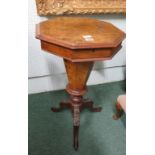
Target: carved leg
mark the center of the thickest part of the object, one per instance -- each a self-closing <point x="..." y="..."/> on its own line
<point x="89" y="104"/>
<point x="62" y="106"/>
<point x="77" y="73"/>
<point x="76" y="124"/>
<point x="119" y="112"/>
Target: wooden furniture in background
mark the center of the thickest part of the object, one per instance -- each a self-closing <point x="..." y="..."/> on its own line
<point x="80" y="42"/>
<point x="55" y="7"/>
<point x="120" y="107"/>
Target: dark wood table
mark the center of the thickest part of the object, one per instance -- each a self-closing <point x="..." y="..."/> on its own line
<point x="80" y="42"/>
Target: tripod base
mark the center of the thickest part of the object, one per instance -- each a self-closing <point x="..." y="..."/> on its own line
<point x="76" y="105"/>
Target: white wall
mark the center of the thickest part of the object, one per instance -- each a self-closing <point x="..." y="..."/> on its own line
<point x="47" y="72"/>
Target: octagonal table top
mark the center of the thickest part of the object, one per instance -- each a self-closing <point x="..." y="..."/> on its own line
<point x="79" y="33"/>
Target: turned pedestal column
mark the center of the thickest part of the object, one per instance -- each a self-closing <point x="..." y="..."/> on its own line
<point x="80" y="42"/>
<point x="78" y="73"/>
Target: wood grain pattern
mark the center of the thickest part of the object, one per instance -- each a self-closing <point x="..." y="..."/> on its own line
<point x="57" y="7"/>
<point x="64" y="37"/>
<point x="70" y="32"/>
<point x="78" y="74"/>
<point x="80" y="55"/>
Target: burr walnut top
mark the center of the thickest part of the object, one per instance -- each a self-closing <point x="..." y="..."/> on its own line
<point x="79" y="33"/>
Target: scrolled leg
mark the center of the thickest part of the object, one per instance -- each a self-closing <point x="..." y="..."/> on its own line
<point x="119" y="112"/>
<point x="89" y="104"/>
<point x="63" y="105"/>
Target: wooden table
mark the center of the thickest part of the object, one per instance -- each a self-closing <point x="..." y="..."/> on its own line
<point x="80" y="42"/>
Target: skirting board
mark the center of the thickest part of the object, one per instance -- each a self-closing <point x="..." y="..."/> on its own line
<point x="59" y="81"/>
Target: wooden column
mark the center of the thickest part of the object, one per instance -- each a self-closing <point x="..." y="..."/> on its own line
<point x="77" y="73"/>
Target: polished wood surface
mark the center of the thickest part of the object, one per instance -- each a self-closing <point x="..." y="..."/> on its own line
<point x="80" y="42"/>
<point x="78" y="74"/>
<point x="80" y="55"/>
<point x="77" y="33"/>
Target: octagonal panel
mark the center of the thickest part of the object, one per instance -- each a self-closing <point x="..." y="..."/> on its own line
<point x="79" y="33"/>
